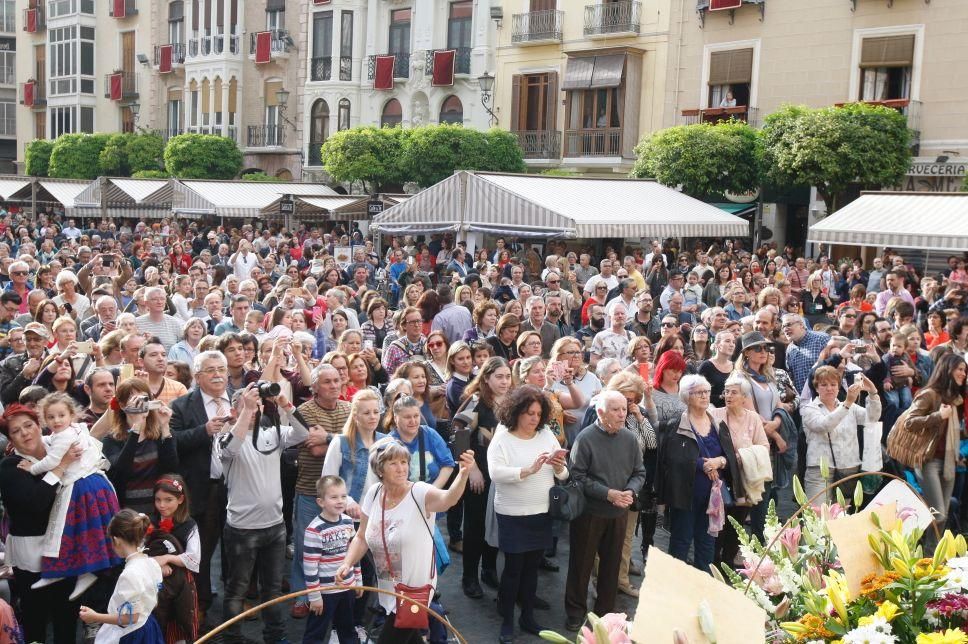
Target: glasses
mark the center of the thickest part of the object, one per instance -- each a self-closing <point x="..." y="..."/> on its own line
<point x="669" y="325"/>
<point x="702" y="393"/>
<point x="413" y="321"/>
<point x="701" y="330"/>
<point x="554" y="281"/>
<point x="18" y="273"/>
<point x="759" y="348"/>
<point x="569" y="353"/>
<point x="434" y="345"/>
<point x="211" y="371"/>
<point x="849" y="315"/>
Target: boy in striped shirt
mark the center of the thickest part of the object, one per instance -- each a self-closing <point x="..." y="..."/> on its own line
<point x="327" y="539"/>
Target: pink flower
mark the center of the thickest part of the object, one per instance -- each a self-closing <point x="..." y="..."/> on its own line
<point x="834" y="511"/>
<point x="616" y="625"/>
<point x="772" y="585"/>
<point x="790" y="538"/>
<point x="766" y="569"/>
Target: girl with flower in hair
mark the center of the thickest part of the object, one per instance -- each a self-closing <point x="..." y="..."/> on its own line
<point x="173" y="541"/>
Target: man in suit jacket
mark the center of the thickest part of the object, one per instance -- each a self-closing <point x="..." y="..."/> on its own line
<point x="535" y="312"/>
<point x="196" y="418"/>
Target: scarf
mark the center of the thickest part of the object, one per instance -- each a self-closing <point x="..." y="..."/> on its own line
<point x="755" y="376"/>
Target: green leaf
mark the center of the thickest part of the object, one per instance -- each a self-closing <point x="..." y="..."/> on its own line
<point x="37" y="157"/>
<point x="202" y="156"/>
<point x="551" y="636"/>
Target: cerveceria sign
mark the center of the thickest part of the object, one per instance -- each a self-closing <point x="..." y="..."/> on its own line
<point x="934" y="176"/>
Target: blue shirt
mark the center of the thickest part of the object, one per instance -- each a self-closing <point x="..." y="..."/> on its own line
<point x="436" y="454"/>
<point x="801" y="356"/>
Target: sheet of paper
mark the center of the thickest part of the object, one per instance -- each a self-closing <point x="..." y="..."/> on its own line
<point x="669" y="600"/>
<point x="849" y="534"/>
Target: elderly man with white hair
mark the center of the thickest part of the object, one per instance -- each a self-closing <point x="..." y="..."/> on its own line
<point x="105" y="320"/>
<point x="67" y="294"/>
<point x="535" y="312"/>
<point x="607" y="464"/>
<point x="156" y="322"/>
<point x="19" y="283"/>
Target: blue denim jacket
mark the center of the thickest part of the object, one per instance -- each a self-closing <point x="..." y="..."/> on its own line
<point x="353" y="471"/>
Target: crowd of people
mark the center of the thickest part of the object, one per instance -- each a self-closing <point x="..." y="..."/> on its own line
<point x="176" y="390"/>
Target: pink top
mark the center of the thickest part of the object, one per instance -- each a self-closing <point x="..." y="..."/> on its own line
<point x="746" y="433"/>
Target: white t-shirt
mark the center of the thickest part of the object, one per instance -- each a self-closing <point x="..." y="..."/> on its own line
<point x="404" y="534"/>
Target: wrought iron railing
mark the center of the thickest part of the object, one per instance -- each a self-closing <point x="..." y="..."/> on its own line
<point x="265" y="136"/>
<point x="462" y="59"/>
<point x="612" y="18"/>
<point x="129" y="84"/>
<point x="401" y="65"/>
<point x="279" y="41"/>
<point x="321" y="68"/>
<point x="177" y="53"/>
<point x="34" y="20"/>
<point x="539" y="144"/>
<point x="717" y="114"/>
<point x="130" y="8"/>
<point x="536" y="25"/>
<point x="603" y="142"/>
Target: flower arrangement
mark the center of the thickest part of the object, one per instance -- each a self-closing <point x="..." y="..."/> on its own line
<point x="612" y="628"/>
<point x="915" y="599"/>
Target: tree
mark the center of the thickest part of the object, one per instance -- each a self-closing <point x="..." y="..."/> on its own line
<point x="146" y="152"/>
<point x="150" y="174"/>
<point x="832" y="148"/>
<point x="503" y="153"/>
<point x="367" y="154"/>
<point x="37" y="157"/>
<point x="704" y="159"/>
<point x="261" y="177"/>
<point x="76" y="156"/>
<point x="202" y="156"/>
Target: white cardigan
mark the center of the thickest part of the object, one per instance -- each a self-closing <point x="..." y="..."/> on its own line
<point x="507" y="455"/>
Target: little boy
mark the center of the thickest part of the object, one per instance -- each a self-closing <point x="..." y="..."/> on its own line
<point x="897" y="389"/>
<point x="326" y="541"/>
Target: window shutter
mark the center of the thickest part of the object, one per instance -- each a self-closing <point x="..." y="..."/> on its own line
<point x="233" y="92"/>
<point x="888" y="51"/>
<point x="731" y="67"/>
<point x="275" y="5"/>
<point x="516" y="97"/>
<point x="271" y="87"/>
<point x="551" y="109"/>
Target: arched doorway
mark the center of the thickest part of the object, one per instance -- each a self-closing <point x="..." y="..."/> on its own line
<point x="452" y="111"/>
<point x="318" y="130"/>
<point x="392" y="114"/>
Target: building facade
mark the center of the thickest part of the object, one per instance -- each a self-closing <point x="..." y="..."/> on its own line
<point x="581" y="82"/>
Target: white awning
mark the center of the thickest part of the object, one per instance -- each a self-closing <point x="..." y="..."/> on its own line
<point x="331" y="206"/>
<point x="547" y="206"/>
<point x="921" y="220"/>
<point x="157" y="191"/>
<point x="10" y="185"/>
<point x="64" y="191"/>
<point x="126" y="199"/>
<point x="237" y="198"/>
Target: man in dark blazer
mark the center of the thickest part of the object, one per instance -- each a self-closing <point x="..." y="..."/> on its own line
<point x="196" y="418"/>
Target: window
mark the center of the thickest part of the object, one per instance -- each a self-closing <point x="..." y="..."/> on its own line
<point x="730" y="71"/>
<point x="193" y="97"/>
<point x="127" y="119"/>
<point x="40" y="125"/>
<point x="63" y="120"/>
<point x="176" y="22"/>
<point x="9" y="17"/>
<point x="87" y="59"/>
<point x="275" y="19"/>
<point x="87" y="120"/>
<point x="534" y="102"/>
<point x="885" y="68"/>
<point x="543" y="5"/>
<point x="318" y="130"/>
<point x="174" y="116"/>
<point x="8" y="67"/>
<point x="399" y="31"/>
<point x="8" y="118"/>
<point x="63" y="66"/>
<point x="322" y="67"/>
<point x="273" y="120"/>
<point x="346" y="46"/>
<point x="392" y="114"/>
<point x="459" y="24"/>
<point x="452" y="111"/>
<point x="343" y="120"/>
<point x="594" y="109"/>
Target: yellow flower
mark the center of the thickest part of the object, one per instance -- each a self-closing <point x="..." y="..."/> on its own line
<point x="872" y="583"/>
<point x="950" y="636"/>
<point x="838" y="593"/>
<point x="888" y="610"/>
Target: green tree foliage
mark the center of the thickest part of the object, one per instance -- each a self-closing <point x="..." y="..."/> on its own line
<point x="834" y="147"/>
<point x="150" y="174"/>
<point x="202" y="156"/>
<point x="704" y="159"/>
<point x="424" y="155"/>
<point x="76" y="156"/>
<point x="261" y="177"/>
<point x="37" y="157"/>
<point x="146" y="151"/>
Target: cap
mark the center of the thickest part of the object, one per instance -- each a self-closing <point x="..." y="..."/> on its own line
<point x="39" y="329"/>
<point x="753" y="339"/>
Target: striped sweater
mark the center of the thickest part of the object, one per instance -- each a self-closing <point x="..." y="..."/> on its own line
<point x="324" y="546"/>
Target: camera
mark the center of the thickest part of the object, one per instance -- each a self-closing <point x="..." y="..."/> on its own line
<point x="268" y="389"/>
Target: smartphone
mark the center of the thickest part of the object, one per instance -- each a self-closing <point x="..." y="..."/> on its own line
<point x="127" y="372"/>
<point x="644" y="369"/>
<point x="317" y="311"/>
<point x="559" y="368"/>
<point x="154" y="404"/>
<point x="858" y="378"/>
<point x="85" y="347"/>
<point x="368" y="345"/>
<point x="559" y="453"/>
<point x="460" y="442"/>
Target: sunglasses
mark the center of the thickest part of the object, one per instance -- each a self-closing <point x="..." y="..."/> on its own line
<point x="434" y="345"/>
<point x="18" y="272"/>
<point x="669" y="325"/>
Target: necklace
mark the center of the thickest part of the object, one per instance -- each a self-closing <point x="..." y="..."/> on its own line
<point x="391" y="503"/>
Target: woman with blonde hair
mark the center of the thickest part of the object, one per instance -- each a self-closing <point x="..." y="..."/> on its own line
<point x="528" y="344"/>
<point x="540" y="373"/>
<point x="110" y="344"/>
<point x="139" y="446"/>
<point x="583" y="381"/>
<point x="348" y="454"/>
<point x="769" y="296"/>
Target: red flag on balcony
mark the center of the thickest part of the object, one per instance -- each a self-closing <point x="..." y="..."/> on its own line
<point x="119" y="8"/>
<point x="720" y="5"/>
<point x="383" y="75"/>
<point x="164" y="62"/>
<point x="31" y="26"/>
<point x="29" y="94"/>
<point x="443" y="75"/>
<point x="116" y="84"/>
<point x="263" y="47"/>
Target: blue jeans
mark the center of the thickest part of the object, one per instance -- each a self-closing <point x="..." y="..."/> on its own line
<point x="899" y="397"/>
<point x="260" y="552"/>
<point x="688" y="527"/>
<point x="338" y="612"/>
<point x="304" y="508"/>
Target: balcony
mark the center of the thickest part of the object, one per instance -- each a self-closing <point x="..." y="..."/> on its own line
<point x="909" y="108"/>
<point x="603" y="142"/>
<point x="321" y="68"/>
<point x="177" y="53"/>
<point x="123" y="89"/>
<point x="537" y="26"/>
<point x="8" y="75"/>
<point x="8" y="127"/>
<point x="462" y="59"/>
<point x="36" y="96"/>
<point x="218" y="43"/>
<point x="539" y="144"/>
<point x="743" y="113"/>
<point x="401" y="65"/>
<point x="122" y="8"/>
<point x="315" y="153"/>
<point x="279" y="42"/>
<point x="265" y="136"/>
<point x="730" y="6"/>
<point x="34" y="20"/>
<point x="612" y="18"/>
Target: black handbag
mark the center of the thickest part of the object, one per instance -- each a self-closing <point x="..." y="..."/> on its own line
<point x="566" y="502"/>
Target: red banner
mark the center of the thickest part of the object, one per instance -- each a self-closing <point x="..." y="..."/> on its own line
<point x="31" y="21"/>
<point x="29" y="94"/>
<point x="263" y="47"/>
<point x="383" y="76"/>
<point x="443" y="75"/>
<point x="720" y="5"/>
<point x="119" y="8"/>
<point x="164" y="62"/>
<point x="116" y="86"/>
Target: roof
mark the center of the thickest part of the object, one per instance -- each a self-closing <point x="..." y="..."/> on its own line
<point x="922" y="220"/>
<point x="237" y="198"/>
<point x="547" y="206"/>
<point x="342" y="207"/>
<point x="138" y="198"/>
<point x="10" y="185"/>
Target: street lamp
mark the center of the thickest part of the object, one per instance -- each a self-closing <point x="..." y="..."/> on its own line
<point x="486" y="81"/>
<point x="282" y="99"/>
<point x="135" y="109"/>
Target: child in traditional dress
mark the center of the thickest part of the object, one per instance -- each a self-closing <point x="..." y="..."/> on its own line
<point x="76" y="543"/>
<point x="129" y="619"/>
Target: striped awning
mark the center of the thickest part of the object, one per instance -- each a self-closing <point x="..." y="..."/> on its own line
<point x="238" y="199"/>
<point x="922" y="220"/>
<point x="342" y="207"/>
<point x="545" y="206"/>
<point x="10" y="185"/>
<point x="63" y="191"/>
<point x="126" y="199"/>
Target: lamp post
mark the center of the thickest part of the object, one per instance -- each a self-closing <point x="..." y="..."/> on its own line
<point x="135" y="109"/>
<point x="486" y="82"/>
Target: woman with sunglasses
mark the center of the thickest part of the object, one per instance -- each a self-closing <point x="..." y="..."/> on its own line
<point x="717" y="369"/>
<point x="437" y="347"/>
<point x="700" y="347"/>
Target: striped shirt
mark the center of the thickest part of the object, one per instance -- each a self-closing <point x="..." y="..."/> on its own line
<point x="168" y="330"/>
<point x="332" y="421"/>
<point x="324" y="547"/>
